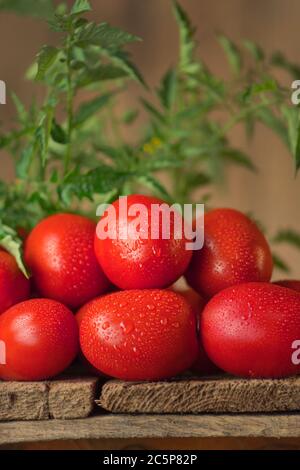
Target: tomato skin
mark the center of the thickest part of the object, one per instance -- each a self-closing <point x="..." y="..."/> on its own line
<point x="248" y="330"/>
<point x="92" y="370"/>
<point x="41" y="340"/>
<point x="289" y="283"/>
<point x="196" y="301"/>
<point x="234" y="252"/>
<point x="14" y="287"/>
<point x="139" y="334"/>
<point x="59" y="251"/>
<point x="203" y="365"/>
<point x="141" y="264"/>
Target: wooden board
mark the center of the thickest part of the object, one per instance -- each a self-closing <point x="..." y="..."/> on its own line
<point x="206" y="395"/>
<point x="59" y="399"/>
<point x="111" y="426"/>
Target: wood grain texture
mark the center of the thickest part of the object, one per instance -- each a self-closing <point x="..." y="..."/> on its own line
<point x="152" y="426"/>
<point x="70" y="399"/>
<point x="19" y="401"/>
<point x="60" y="399"/>
<point x="205" y="395"/>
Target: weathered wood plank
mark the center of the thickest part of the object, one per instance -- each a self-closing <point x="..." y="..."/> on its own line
<point x="19" y="401"/>
<point x="152" y="426"/>
<point x="60" y="399"/>
<point x="206" y="395"/>
<point x="70" y="399"/>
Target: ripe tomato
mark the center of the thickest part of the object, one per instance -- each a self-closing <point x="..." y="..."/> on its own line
<point x="59" y="251"/>
<point x="193" y="298"/>
<point x="251" y="330"/>
<point x="139" y="334"/>
<point x="89" y="368"/>
<point x="143" y="262"/>
<point x="234" y="252"/>
<point x="14" y="287"/>
<point x="290" y="283"/>
<point x="203" y="364"/>
<point x="40" y="338"/>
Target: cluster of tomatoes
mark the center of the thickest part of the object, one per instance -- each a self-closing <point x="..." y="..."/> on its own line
<point x="129" y="322"/>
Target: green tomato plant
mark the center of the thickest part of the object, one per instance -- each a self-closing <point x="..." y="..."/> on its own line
<point x="70" y="153"/>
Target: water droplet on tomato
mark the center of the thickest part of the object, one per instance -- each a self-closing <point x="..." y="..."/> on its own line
<point x="105" y="325"/>
<point x="150" y="307"/>
<point x="164" y="321"/>
<point x="127" y="326"/>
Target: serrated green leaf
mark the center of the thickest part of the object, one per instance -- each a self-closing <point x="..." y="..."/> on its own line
<point x="239" y="157"/>
<point x="122" y="60"/>
<point x="89" y="76"/>
<point x="292" y="116"/>
<point x="167" y="90"/>
<point x="130" y="116"/>
<point x="40" y="136"/>
<point x="10" y="241"/>
<point x="153" y="110"/>
<point x="289" y="236"/>
<point x="187" y="31"/>
<point x="59" y="23"/>
<point x="45" y="59"/>
<point x="21" y="110"/>
<point x="268" y="85"/>
<point x="100" y="180"/>
<point x="255" y="50"/>
<point x="155" y="185"/>
<point x="279" y="60"/>
<point x="81" y="6"/>
<point x="103" y="35"/>
<point x="38" y="8"/>
<point x="23" y="164"/>
<point x="112" y="152"/>
<point x="88" y="109"/>
<point x="232" y="53"/>
<point x="280" y="264"/>
<point x="58" y="134"/>
<point x="197" y="179"/>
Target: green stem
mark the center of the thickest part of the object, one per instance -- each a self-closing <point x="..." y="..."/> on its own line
<point x="70" y="99"/>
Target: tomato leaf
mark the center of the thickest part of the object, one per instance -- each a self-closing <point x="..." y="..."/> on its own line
<point x="45" y="59"/>
<point x="80" y="6"/>
<point x="10" y="241"/>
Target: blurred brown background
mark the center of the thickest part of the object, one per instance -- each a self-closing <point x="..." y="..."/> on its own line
<point x="273" y="195"/>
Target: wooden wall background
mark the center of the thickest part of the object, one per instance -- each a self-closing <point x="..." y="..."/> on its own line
<point x="273" y="196"/>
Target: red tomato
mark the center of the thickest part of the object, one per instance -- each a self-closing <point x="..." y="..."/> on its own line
<point x="81" y="357"/>
<point x="60" y="254"/>
<point x="194" y="299"/>
<point x="203" y="365"/>
<point x="234" y="252"/>
<point x="14" y="287"/>
<point x="252" y="329"/>
<point x="290" y="283"/>
<point x="139" y="334"/>
<point x="40" y="338"/>
<point x="143" y="262"/>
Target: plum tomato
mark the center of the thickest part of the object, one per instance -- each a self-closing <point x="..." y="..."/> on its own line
<point x="14" y="287"/>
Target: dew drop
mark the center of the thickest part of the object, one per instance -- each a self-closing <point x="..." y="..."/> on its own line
<point x="105" y="325"/>
<point x="150" y="307"/>
<point x="127" y="326"/>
